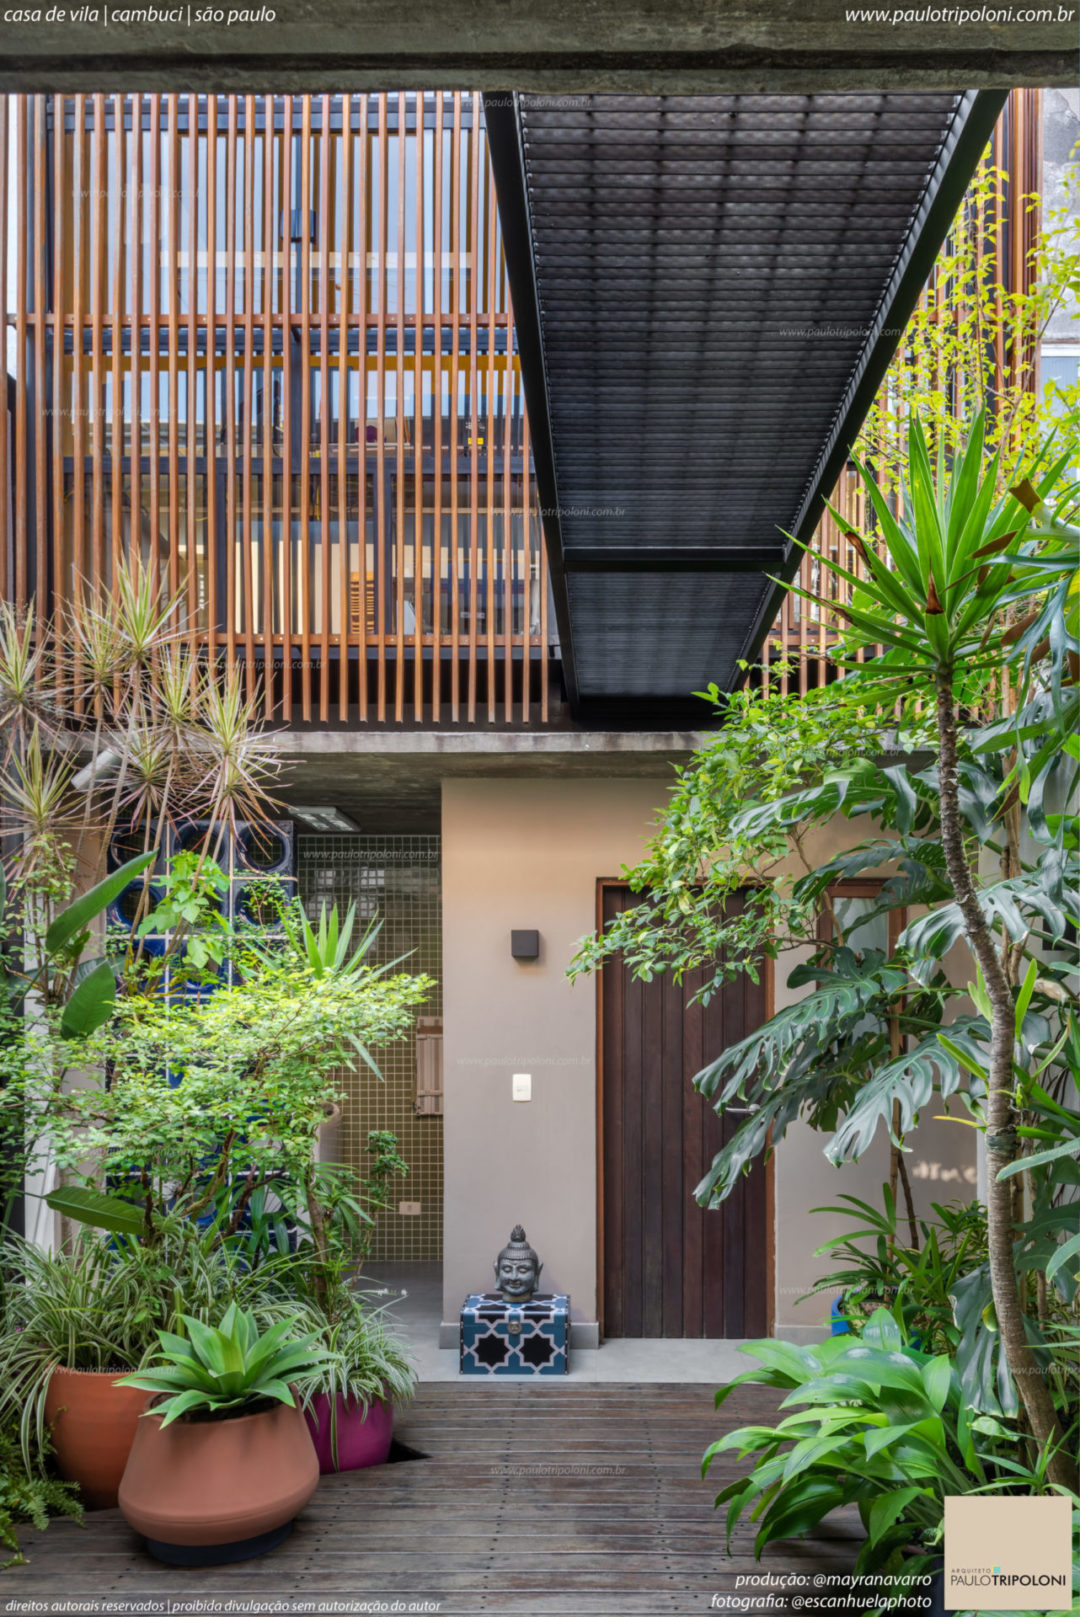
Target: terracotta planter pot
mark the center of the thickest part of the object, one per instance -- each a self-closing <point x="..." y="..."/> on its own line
<point x="362" y="1439"/>
<point x="93" y="1427"/>
<point x="206" y="1492"/>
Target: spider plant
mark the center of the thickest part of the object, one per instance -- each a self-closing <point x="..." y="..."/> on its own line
<point x="365" y="1362"/>
<point x="99" y="1307"/>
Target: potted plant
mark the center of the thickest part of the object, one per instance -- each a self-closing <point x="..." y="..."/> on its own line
<point x="917" y="1280"/>
<point x="349" y="1404"/>
<point x="222" y="1461"/>
<point x="72" y="1322"/>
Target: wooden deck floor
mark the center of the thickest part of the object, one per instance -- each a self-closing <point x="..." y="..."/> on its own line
<point x="540" y="1500"/>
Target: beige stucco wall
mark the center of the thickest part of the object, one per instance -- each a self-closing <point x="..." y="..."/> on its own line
<point x="524" y="854"/>
<point x="527" y="853"/>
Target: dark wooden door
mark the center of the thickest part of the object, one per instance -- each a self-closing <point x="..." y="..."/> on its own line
<point x="670" y="1268"/>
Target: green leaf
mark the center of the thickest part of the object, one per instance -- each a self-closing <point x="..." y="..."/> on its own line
<point x="88" y="1206"/>
<point x="1067" y="1148"/>
<point x="889" y="1508"/>
<point x="1071" y="1249"/>
<point x="937" y="1379"/>
<point x="175" y="1407"/>
<point x="77" y="917"/>
<point x="90" y="1005"/>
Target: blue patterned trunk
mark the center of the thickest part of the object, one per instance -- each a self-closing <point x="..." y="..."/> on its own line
<point x="515" y="1339"/>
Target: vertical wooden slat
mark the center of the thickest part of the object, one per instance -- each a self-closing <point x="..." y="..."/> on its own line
<point x="286" y="414"/>
<point x="437" y="250"/>
<point x="526" y="541"/>
<point x="41" y="473"/>
<point x="154" y="327"/>
<point x="361" y="231"/>
<point x="399" y="424"/>
<point x="6" y="570"/>
<point x="305" y="559"/>
<point x="174" y="347"/>
<point x="228" y="541"/>
<point x="491" y="459"/>
<point x="247" y="441"/>
<point x="20" y="467"/>
<point x="418" y="428"/>
<point x="382" y="515"/>
<point x="474" y="377"/>
<point x="542" y="582"/>
<point x="455" y="448"/>
<point x="211" y="457"/>
<point x="97" y="393"/>
<point x="59" y="368"/>
<point x="191" y="434"/>
<point x="508" y="552"/>
<point x="343" y="302"/>
<point x="324" y="402"/>
<point x="116" y="441"/>
<point x="269" y="281"/>
<point x="135" y="238"/>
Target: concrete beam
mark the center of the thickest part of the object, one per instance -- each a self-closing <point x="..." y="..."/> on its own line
<point x="474" y="746"/>
<point x="556" y="46"/>
<point x="392" y="782"/>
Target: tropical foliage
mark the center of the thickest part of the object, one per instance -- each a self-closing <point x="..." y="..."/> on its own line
<point x="870" y="1421"/>
<point x="28" y="1496"/>
<point x="972" y="308"/>
<point x="967" y="761"/>
<point x="226" y="1369"/>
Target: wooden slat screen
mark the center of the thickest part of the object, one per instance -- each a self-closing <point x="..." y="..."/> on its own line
<point x="267" y="344"/>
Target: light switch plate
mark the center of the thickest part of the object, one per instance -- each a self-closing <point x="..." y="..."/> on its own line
<point x="409" y="1209"/>
<point x="522" y="1086"/>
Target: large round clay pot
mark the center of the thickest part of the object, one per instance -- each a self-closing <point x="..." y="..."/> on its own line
<point x="206" y="1492"/>
<point x="93" y="1425"/>
<point x="363" y="1437"/>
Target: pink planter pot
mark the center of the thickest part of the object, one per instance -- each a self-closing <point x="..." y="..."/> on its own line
<point x="362" y="1439"/>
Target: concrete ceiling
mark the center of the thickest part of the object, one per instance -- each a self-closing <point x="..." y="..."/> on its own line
<point x="557" y="46"/>
<point x="391" y="782"/>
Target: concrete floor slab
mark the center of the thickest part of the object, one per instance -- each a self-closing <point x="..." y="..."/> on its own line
<point x="411" y="1294"/>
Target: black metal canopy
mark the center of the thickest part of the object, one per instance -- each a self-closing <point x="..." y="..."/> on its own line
<point x="708" y="290"/>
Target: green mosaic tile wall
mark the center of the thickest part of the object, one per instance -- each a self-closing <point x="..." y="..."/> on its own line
<point x="398" y="879"/>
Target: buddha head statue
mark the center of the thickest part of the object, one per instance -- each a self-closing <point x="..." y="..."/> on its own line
<point x="517" y="1268"/>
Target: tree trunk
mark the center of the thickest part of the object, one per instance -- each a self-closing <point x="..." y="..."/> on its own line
<point x="1001" y="1139"/>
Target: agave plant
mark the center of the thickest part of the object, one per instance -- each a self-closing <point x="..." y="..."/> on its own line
<point x="225" y="1369"/>
<point x="99" y="1306"/>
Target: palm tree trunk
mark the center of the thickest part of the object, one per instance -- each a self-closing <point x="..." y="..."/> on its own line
<point x="1001" y="1139"/>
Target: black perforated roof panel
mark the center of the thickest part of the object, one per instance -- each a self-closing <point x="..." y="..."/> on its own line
<point x="707" y="291"/>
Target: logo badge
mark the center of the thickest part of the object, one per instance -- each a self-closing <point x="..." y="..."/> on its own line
<point x="1007" y="1554"/>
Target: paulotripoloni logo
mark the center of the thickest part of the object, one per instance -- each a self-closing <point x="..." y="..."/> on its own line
<point x="1004" y="1554"/>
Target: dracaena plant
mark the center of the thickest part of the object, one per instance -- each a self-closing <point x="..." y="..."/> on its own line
<point x="945" y="577"/>
<point x="224" y="1370"/>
